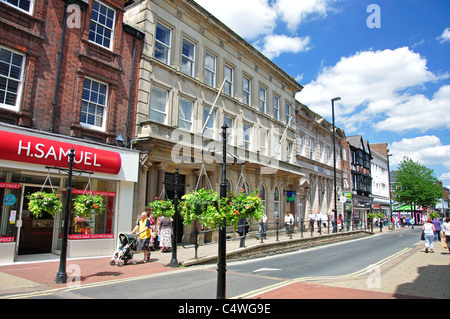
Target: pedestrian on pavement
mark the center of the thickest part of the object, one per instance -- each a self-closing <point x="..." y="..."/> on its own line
<point x="142" y="229"/>
<point x="311" y="221"/>
<point x="288" y="222"/>
<point x="428" y="230"/>
<point x="340" y="222"/>
<point x="152" y="220"/>
<point x="262" y="227"/>
<point x="437" y="226"/>
<point x="319" y="221"/>
<point x="165" y="233"/>
<point x="412" y="223"/>
<point x="446" y="232"/>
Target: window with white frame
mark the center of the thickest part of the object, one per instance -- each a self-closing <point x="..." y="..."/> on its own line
<point x="247" y="90"/>
<point x="188" y="57"/>
<point x="158" y="105"/>
<point x="247" y="136"/>
<point x="101" y="30"/>
<point x="320" y="152"/>
<point x="22" y="5"/>
<point x="263" y="133"/>
<point x="311" y="149"/>
<point x="209" y="127"/>
<point x="289" y="115"/>
<point x="276" y="146"/>
<point x="93" y="104"/>
<point x="11" y="78"/>
<point x="328" y="156"/>
<point x="288" y="151"/>
<point x="276" y="203"/>
<point x="302" y="145"/>
<point x="210" y="70"/>
<point x="262" y="100"/>
<point x="163" y="43"/>
<point x="229" y="81"/>
<point x="262" y="195"/>
<point x="276" y="107"/>
<point x="185" y="114"/>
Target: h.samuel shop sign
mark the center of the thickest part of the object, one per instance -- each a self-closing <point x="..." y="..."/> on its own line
<point x="36" y="150"/>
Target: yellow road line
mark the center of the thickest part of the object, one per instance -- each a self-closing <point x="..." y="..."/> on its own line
<point x="260" y="291"/>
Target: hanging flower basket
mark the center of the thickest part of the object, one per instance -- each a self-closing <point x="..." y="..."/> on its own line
<point x="246" y="206"/>
<point x="210" y="209"/>
<point x="86" y="204"/>
<point x="202" y="205"/>
<point x="162" y="208"/>
<point x="40" y="202"/>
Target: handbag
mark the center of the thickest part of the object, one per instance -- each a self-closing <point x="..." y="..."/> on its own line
<point x="422" y="237"/>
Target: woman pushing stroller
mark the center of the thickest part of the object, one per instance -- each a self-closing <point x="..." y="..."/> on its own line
<point x="143" y="229"/>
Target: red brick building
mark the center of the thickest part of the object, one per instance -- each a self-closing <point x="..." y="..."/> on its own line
<point x="68" y="79"/>
<point x="67" y="68"/>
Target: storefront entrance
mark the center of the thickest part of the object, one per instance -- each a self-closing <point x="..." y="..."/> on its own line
<point x="36" y="233"/>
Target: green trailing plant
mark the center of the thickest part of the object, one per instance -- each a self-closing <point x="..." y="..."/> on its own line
<point x="40" y="202"/>
<point x="85" y="204"/>
<point x="162" y="208"/>
<point x="210" y="210"/>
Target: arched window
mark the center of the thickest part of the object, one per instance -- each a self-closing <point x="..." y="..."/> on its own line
<point x="276" y="202"/>
<point x="262" y="193"/>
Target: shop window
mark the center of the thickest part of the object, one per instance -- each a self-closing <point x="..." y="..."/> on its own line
<point x="97" y="225"/>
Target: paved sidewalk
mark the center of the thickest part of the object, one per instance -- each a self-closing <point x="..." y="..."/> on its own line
<point x="414" y="274"/>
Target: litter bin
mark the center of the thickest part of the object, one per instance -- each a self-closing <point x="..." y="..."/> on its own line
<point x="391" y="226"/>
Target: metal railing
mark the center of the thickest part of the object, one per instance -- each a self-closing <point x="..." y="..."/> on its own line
<point x="275" y="228"/>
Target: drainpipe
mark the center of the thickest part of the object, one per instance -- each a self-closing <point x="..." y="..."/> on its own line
<point x="82" y="6"/>
<point x="137" y="34"/>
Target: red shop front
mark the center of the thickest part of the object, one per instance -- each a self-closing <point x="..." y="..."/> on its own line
<point x="25" y="156"/>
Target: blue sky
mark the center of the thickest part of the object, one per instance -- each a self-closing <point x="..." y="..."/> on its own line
<point x="393" y="73"/>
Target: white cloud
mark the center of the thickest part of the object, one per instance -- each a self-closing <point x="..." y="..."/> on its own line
<point x="255" y="20"/>
<point x="293" y="12"/>
<point x="428" y="150"/>
<point x="419" y="112"/>
<point x="250" y="19"/>
<point x="445" y="36"/>
<point x="274" y="45"/>
<point x="373" y="84"/>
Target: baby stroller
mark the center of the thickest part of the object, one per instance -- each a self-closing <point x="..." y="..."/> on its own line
<point x="124" y="253"/>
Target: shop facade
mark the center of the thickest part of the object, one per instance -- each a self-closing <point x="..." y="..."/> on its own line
<point x="28" y="163"/>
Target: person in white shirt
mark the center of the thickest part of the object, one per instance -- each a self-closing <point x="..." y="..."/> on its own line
<point x="288" y="222"/>
<point x="262" y="227"/>
<point x="429" y="230"/>
<point x="319" y="221"/>
<point x="445" y="229"/>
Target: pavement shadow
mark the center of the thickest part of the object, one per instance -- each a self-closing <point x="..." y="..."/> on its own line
<point x="102" y="274"/>
<point x="431" y="283"/>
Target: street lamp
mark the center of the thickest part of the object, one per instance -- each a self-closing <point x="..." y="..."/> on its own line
<point x="334" y="164"/>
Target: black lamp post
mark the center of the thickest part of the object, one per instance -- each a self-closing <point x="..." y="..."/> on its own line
<point x="334" y="164"/>
<point x="221" y="265"/>
<point x="61" y="276"/>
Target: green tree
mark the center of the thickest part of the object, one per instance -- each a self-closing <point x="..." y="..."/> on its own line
<point x="416" y="184"/>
